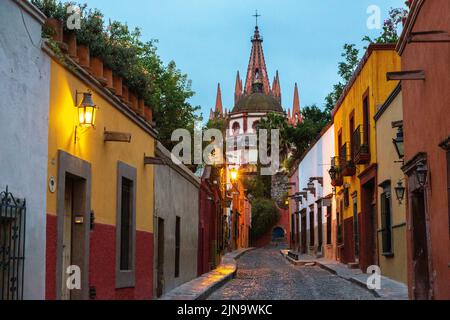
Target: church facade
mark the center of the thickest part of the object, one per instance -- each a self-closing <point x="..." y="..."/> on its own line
<point x="253" y="101"/>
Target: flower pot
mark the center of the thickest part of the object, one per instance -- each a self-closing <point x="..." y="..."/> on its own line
<point x="125" y="94"/>
<point x="133" y="101"/>
<point x="55" y="27"/>
<point x="97" y="70"/>
<point x="148" y="114"/>
<point x="84" y="58"/>
<point x="70" y="39"/>
<point x="108" y="75"/>
<point x="141" y="106"/>
<point x="117" y="84"/>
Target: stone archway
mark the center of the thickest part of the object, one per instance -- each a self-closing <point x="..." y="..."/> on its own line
<point x="278" y="234"/>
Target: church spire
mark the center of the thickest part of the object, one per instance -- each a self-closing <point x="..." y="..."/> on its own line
<point x="219" y="106"/>
<point x="276" y="88"/>
<point x="238" y="88"/>
<point x="296" y="113"/>
<point x="257" y="66"/>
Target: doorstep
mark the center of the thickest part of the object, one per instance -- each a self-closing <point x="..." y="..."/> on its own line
<point x="201" y="287"/>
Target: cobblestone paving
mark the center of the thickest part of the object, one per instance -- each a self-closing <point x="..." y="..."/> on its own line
<point x="264" y="274"/>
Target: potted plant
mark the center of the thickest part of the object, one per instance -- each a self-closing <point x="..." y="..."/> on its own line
<point x="108" y="75"/>
<point x="133" y="100"/>
<point x="148" y="114"/>
<point x="70" y="39"/>
<point x="141" y="106"/>
<point x="56" y="13"/>
<point x="97" y="70"/>
<point x="118" y="85"/>
<point x="125" y="94"/>
<point x="84" y="57"/>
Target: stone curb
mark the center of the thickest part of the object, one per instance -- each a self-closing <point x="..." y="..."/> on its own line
<point x="325" y="267"/>
<point x="200" y="288"/>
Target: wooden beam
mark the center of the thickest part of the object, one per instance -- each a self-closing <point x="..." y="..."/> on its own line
<point x="154" y="161"/>
<point x="406" y="75"/>
<point x="397" y="124"/>
<point x="111" y="136"/>
<point x="429" y="37"/>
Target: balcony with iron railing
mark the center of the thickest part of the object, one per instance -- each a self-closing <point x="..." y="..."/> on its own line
<point x="347" y="164"/>
<point x="360" y="146"/>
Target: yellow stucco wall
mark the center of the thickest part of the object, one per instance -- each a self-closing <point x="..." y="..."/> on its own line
<point x="390" y="169"/>
<point x="103" y="156"/>
<point x="372" y="77"/>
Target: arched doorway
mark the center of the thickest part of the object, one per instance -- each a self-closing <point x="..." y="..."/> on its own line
<point x="278" y="235"/>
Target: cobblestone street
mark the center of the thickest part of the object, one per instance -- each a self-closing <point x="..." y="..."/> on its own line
<point x="264" y="274"/>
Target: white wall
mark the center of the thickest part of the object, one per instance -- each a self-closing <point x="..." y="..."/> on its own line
<point x="317" y="163"/>
<point x="24" y="103"/>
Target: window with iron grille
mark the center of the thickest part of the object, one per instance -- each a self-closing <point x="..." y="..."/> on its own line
<point x="386" y="220"/>
<point x="12" y="246"/>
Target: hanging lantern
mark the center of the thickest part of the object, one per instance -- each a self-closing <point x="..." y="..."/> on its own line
<point x="421" y="174"/>
<point x="86" y="110"/>
<point x="400" y="192"/>
<point x="399" y="143"/>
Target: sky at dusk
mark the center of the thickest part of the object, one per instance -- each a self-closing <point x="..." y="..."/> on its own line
<point x="210" y="39"/>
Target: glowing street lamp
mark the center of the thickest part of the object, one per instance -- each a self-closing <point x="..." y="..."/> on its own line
<point x="86" y="110"/>
<point x="234" y="175"/>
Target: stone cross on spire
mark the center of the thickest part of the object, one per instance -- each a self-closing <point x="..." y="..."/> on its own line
<point x="257" y="16"/>
<point x="257" y="69"/>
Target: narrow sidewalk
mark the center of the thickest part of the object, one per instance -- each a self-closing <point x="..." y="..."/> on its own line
<point x="200" y="288"/>
<point x="390" y="289"/>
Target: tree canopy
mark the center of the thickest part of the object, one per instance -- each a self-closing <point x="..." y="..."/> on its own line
<point x="163" y="86"/>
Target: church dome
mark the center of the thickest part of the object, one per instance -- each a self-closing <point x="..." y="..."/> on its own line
<point x="258" y="102"/>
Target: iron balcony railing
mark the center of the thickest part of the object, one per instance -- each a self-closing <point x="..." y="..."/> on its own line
<point x="360" y="146"/>
<point x="347" y="164"/>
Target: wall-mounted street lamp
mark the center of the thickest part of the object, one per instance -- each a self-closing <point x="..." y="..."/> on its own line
<point x="400" y="192"/>
<point x="399" y="141"/>
<point x="86" y="110"/>
<point x="422" y="174"/>
<point x="234" y="175"/>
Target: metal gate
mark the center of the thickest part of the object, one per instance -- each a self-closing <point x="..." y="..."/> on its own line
<point x="12" y="246"/>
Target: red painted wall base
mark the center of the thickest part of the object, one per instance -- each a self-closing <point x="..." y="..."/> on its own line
<point x="102" y="264"/>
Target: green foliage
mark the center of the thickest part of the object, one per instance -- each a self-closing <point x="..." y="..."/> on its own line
<point x="264" y="215"/>
<point x="217" y="123"/>
<point x="277" y="121"/>
<point x="350" y="54"/>
<point x="258" y="186"/>
<point x="348" y="66"/>
<point x="163" y="87"/>
<point x="390" y="33"/>
<point x="52" y="8"/>
<point x="305" y="133"/>
<point x="346" y="69"/>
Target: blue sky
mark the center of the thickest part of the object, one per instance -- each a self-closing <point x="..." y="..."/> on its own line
<point x="210" y="39"/>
